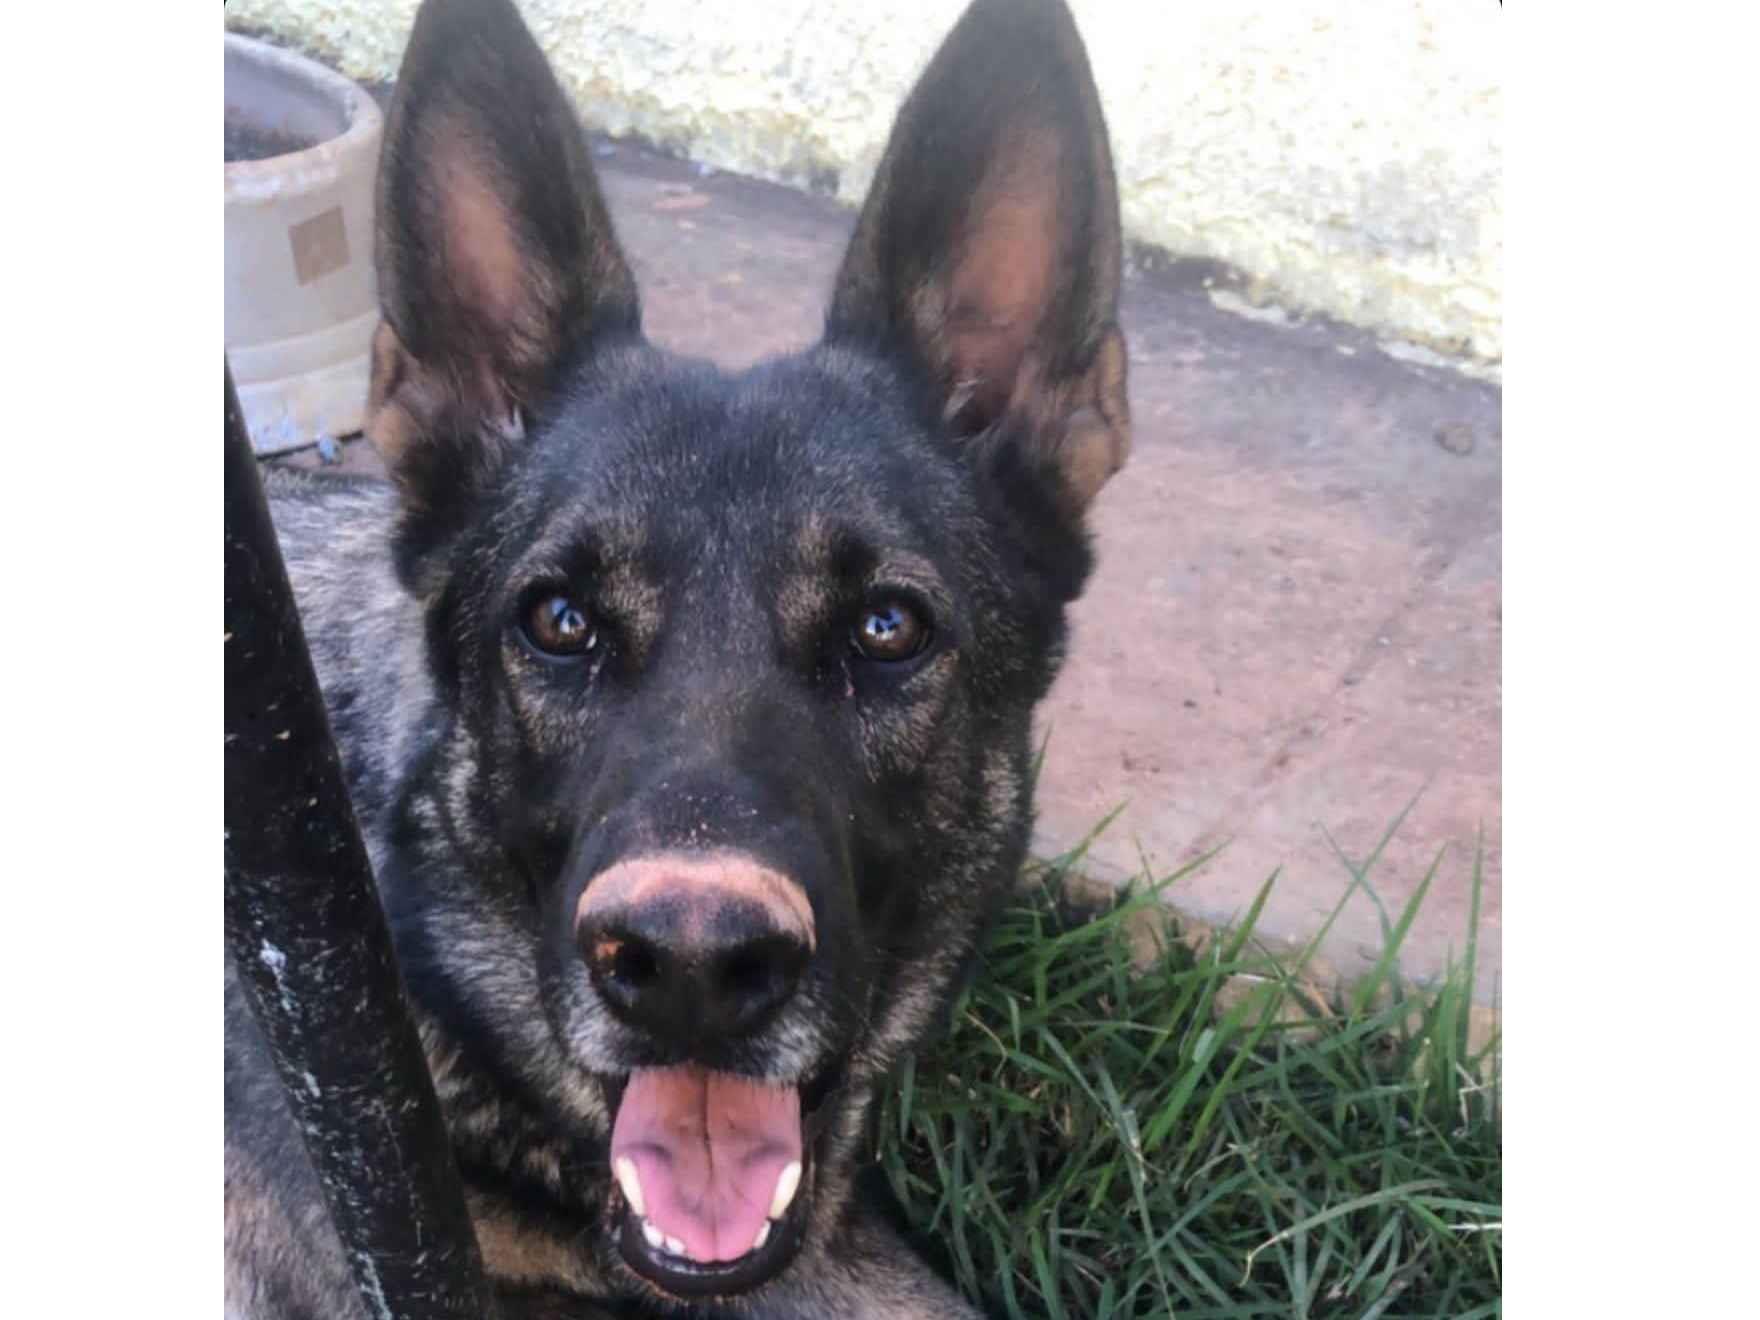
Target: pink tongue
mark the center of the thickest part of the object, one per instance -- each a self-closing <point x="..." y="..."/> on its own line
<point x="708" y="1147"/>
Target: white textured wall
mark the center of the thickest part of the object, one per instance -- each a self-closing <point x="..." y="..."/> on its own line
<point x="1348" y="156"/>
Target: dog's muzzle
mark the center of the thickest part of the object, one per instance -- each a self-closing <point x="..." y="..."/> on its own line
<point x="694" y="950"/>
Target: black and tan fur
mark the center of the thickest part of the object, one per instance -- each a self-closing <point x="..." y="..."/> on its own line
<point x="940" y="446"/>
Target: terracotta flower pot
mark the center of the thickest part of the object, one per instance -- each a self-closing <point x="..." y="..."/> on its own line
<point x="300" y="299"/>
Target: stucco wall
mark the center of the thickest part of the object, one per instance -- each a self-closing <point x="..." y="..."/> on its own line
<point x="1347" y="157"/>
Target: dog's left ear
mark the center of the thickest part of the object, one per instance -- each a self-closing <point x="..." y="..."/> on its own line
<point x="989" y="247"/>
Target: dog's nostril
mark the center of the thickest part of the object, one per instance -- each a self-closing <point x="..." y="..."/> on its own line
<point x="747" y="974"/>
<point x="625" y="967"/>
<point x="633" y="963"/>
<point x="759" y="974"/>
<point x="752" y="975"/>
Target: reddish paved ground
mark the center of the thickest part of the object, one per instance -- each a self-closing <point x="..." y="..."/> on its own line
<point x="1296" y="625"/>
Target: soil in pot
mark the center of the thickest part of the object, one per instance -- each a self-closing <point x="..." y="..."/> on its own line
<point x="248" y="141"/>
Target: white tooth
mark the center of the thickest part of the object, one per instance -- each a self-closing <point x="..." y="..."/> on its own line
<point x="631" y="1182"/>
<point x="654" y="1236"/>
<point x="674" y="1246"/>
<point x="763" y="1236"/>
<point x="786" y="1183"/>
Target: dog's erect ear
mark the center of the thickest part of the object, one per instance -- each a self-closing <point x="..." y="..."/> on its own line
<point x="495" y="253"/>
<point x="989" y="244"/>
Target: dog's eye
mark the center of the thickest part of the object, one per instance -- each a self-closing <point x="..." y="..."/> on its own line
<point x="559" y="626"/>
<point x="889" y="632"/>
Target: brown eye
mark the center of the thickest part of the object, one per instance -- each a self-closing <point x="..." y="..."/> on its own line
<point x="889" y="632"/>
<point x="558" y="626"/>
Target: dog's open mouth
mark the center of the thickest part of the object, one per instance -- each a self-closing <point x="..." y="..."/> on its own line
<point x="715" y="1176"/>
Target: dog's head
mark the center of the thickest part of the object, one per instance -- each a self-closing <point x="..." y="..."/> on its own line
<point x="737" y="671"/>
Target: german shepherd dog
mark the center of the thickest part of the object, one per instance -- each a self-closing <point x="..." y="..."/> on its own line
<point x="687" y="715"/>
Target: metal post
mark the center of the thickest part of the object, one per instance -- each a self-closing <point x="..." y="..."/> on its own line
<point x="309" y="940"/>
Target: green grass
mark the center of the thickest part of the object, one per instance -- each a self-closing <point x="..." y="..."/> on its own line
<point x="1102" y="1138"/>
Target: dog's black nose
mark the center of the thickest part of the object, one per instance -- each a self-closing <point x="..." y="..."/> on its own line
<point x="694" y="951"/>
<point x="730" y="984"/>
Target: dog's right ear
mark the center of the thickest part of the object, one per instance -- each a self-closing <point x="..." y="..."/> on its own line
<point x="496" y="258"/>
